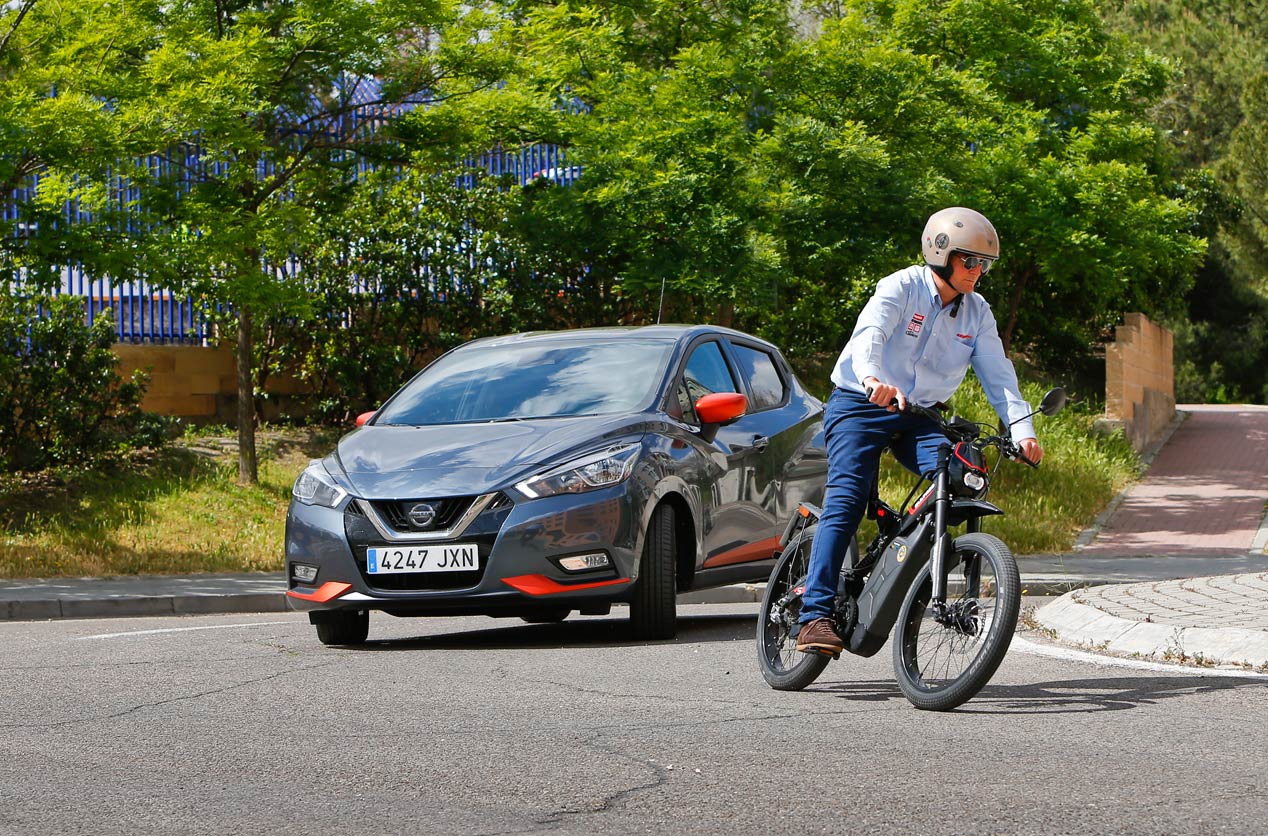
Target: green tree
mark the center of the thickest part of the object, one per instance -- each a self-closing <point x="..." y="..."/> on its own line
<point x="662" y="105"/>
<point x="272" y="95"/>
<point x="62" y="69"/>
<point x="426" y="250"/>
<point x="1066" y="162"/>
<point x="1209" y="118"/>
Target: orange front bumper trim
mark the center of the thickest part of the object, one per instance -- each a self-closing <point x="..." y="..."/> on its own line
<point x="542" y="585"/>
<point x="328" y="591"/>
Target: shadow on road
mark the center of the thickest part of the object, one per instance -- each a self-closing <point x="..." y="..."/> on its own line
<point x="511" y="634"/>
<point x="1070" y="696"/>
<point x="1109" y="694"/>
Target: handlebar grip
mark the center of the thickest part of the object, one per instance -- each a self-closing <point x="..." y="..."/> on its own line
<point x="912" y="408"/>
<point x="867" y="392"/>
<point x="1015" y="453"/>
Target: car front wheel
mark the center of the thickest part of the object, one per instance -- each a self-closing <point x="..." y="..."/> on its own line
<point x="654" y="609"/>
<point x="342" y="626"/>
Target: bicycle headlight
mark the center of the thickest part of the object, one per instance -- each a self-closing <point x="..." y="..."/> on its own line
<point x="597" y="470"/>
<point x="316" y="487"/>
<point x="967" y="472"/>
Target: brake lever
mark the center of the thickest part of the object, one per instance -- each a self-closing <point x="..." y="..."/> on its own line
<point x="1014" y="452"/>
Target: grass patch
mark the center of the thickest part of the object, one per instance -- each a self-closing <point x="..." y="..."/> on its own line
<point x="174" y="510"/>
<point x="1044" y="509"/>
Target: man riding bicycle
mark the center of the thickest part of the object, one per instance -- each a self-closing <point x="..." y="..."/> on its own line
<point x="915" y="339"/>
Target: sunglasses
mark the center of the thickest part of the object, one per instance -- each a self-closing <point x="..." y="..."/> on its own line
<point x="971" y="262"/>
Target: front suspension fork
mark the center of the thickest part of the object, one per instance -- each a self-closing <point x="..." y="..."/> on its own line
<point x="942" y="540"/>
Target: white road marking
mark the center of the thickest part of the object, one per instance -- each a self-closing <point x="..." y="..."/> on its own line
<point x="1072" y="655"/>
<point x="181" y="630"/>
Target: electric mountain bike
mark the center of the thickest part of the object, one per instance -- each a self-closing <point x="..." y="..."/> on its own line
<point x="954" y="600"/>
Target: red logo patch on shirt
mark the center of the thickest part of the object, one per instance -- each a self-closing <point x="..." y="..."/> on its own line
<point x="965" y="336"/>
<point x="913" y="327"/>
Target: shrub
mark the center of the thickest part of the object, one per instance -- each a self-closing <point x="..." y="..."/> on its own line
<point x="61" y="400"/>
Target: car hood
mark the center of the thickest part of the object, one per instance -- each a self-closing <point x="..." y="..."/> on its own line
<point x="467" y="459"/>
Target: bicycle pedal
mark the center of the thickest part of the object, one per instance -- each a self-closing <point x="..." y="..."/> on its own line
<point x="819" y="651"/>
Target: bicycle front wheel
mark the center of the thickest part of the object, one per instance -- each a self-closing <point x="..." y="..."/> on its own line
<point x="783" y="666"/>
<point x="943" y="658"/>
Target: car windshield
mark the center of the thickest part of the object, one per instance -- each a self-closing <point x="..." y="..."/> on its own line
<point x="516" y="381"/>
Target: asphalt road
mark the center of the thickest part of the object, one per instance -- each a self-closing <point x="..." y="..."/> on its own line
<point x="245" y="724"/>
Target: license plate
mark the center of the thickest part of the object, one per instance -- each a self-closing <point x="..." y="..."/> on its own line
<point x="454" y="557"/>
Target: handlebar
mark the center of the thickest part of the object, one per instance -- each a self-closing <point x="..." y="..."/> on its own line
<point x="1005" y="444"/>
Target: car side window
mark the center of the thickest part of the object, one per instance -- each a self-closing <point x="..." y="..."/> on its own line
<point x="764" y="379"/>
<point x="706" y="372"/>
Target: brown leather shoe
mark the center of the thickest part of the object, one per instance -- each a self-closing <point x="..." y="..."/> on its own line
<point x="819" y="636"/>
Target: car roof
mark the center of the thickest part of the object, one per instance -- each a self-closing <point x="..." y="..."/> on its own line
<point x="667" y="333"/>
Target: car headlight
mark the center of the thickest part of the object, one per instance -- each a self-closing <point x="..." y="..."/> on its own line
<point x="315" y="487"/>
<point x="597" y="470"/>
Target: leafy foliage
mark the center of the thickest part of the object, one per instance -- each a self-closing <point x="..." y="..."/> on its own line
<point x="61" y="400"/>
<point x="769" y="180"/>
<point x="1213" y="118"/>
<point x="401" y="274"/>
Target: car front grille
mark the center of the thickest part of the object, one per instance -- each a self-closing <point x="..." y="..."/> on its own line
<point x="396" y="512"/>
<point x="482" y="532"/>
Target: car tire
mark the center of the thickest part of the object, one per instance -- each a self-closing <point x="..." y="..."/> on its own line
<point x="343" y="627"/>
<point x="654" y="608"/>
<point x="553" y="616"/>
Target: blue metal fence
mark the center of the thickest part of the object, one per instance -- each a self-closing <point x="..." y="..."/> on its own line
<point x="145" y="311"/>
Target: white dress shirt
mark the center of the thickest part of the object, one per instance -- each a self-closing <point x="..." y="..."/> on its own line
<point x="906" y="338"/>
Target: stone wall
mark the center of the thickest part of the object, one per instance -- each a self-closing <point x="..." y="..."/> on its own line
<point x="197" y="383"/>
<point x="1140" y="394"/>
<point x="185" y="381"/>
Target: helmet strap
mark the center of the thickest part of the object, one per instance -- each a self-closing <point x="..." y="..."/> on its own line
<point x="944" y="273"/>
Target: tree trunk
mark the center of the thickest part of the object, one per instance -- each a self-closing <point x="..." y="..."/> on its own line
<point x="248" y="470"/>
<point x="726" y="313"/>
<point x="1023" y="277"/>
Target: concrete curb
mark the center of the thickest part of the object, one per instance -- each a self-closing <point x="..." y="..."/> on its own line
<point x="142" y="605"/>
<point x="1076" y="623"/>
<point x="154" y="595"/>
<point x="265" y="592"/>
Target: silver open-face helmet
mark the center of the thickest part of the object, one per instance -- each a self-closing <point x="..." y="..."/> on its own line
<point x="958" y="230"/>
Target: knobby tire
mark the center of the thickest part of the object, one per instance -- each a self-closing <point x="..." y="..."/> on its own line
<point x="940" y="667"/>
<point x="784" y="667"/>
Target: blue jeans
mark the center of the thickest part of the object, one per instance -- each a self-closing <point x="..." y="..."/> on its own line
<point x="857" y="432"/>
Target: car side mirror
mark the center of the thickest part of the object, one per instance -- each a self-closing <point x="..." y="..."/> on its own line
<point x="721" y="408"/>
<point x="1053" y="402"/>
<point x="366" y="416"/>
<point x="718" y="410"/>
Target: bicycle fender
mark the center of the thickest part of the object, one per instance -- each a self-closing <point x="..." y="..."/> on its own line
<point x="962" y="510"/>
<point x="807" y="512"/>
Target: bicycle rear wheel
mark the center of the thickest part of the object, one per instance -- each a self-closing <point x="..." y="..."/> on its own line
<point x="943" y="661"/>
<point x="783" y="666"/>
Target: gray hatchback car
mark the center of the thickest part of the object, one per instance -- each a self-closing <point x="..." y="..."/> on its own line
<point x="539" y="474"/>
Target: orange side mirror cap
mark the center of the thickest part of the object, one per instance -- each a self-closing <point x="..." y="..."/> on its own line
<point x="721" y="407"/>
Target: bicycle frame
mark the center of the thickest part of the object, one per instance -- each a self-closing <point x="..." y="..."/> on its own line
<point x="874" y="588"/>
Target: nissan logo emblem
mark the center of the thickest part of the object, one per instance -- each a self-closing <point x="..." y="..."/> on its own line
<point x="422" y="515"/>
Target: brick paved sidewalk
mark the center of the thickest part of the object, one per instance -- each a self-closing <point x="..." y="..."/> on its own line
<point x="1205" y="491"/>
